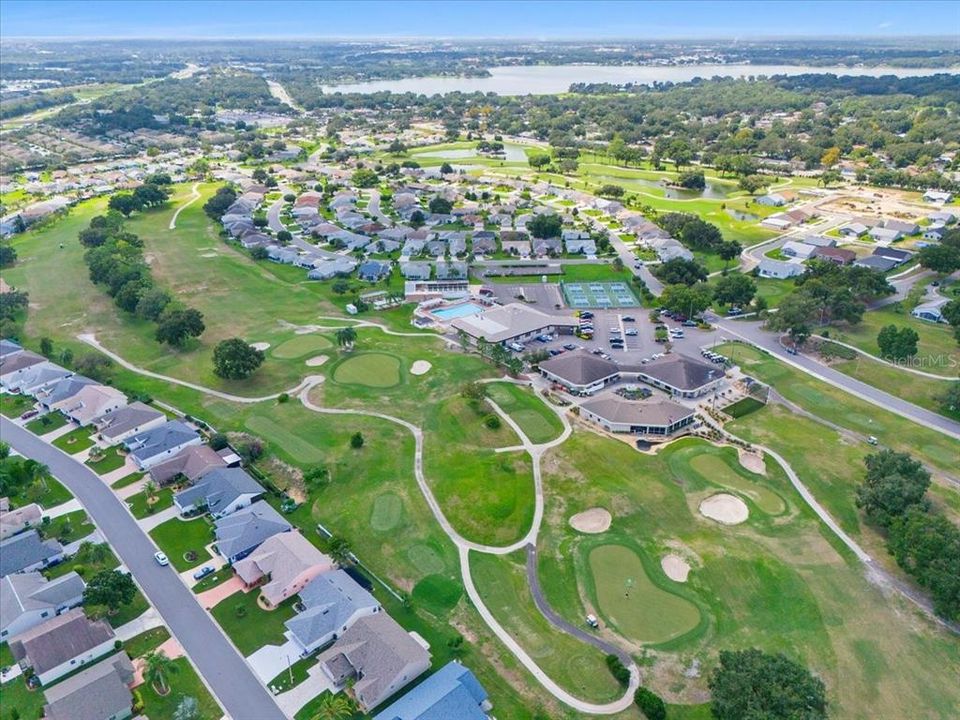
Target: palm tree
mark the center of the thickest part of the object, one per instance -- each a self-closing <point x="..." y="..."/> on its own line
<point x="482" y="345"/>
<point x="334" y="707"/>
<point x="36" y="472"/>
<point x="339" y="550"/>
<point x="149" y="488"/>
<point x="346" y="337"/>
<point x="156" y="668"/>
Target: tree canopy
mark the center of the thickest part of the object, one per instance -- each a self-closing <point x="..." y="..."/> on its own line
<point x="234" y="359"/>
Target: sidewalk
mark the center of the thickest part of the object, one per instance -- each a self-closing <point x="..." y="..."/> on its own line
<point x="147" y="621"/>
<point x="63" y="508"/>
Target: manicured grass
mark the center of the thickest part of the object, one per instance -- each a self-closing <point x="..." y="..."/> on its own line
<point x="75" y="441"/>
<point x="13" y="406"/>
<point x="84" y="563"/>
<point x="919" y="390"/>
<point x="538" y="422"/>
<point x="631" y="602"/>
<point x="127" y="480"/>
<point x="137" y="607"/>
<point x="177" y="537"/>
<point x="256" y="627"/>
<point x="184" y="682"/>
<point x="213" y="579"/>
<point x="6" y="656"/>
<point x="300" y="346"/>
<point x="298" y="670"/>
<point x="311" y="710"/>
<point x="725" y="470"/>
<point x="146" y="641"/>
<point x="69" y="527"/>
<point x="29" y="703"/>
<point x="743" y="407"/>
<point x="46" y="423"/>
<point x="375" y="370"/>
<point x="141" y="508"/>
<point x="112" y="459"/>
<point x="47" y="493"/>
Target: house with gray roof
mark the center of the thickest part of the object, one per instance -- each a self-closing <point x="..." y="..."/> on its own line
<point x="679" y="375"/>
<point x="662" y="417"/>
<point x="18" y="519"/>
<point x="580" y="372"/>
<point x="62" y="644"/>
<point x="416" y="270"/>
<point x="885" y="235"/>
<point x="379" y="655"/>
<point x="64" y="389"/>
<point x="876" y="263"/>
<point x="373" y="270"/>
<point x="120" y="424"/>
<point x="451" y="692"/>
<point x="436" y="248"/>
<point x="28" y="551"/>
<point x="38" y="377"/>
<point x="101" y="692"/>
<point x="452" y="270"/>
<point x="14" y="365"/>
<point x="189" y="464"/>
<point x="484" y="242"/>
<point x="27" y="599"/>
<point x="580" y="246"/>
<point x="413" y="246"/>
<point x="9" y="347"/>
<point x="331" y="267"/>
<point x="902" y="226"/>
<point x="161" y="443"/>
<point x="221" y="491"/>
<point x="333" y="601"/>
<point x="778" y="269"/>
<point x="240" y="533"/>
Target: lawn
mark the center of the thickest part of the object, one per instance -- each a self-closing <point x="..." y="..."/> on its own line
<point x="538" y="422"/>
<point x="127" y="480"/>
<point x="178" y="537"/>
<point x="28" y="703"/>
<point x="301" y="346"/>
<point x="46" y="423"/>
<point x="919" y="390"/>
<point x="141" y="508"/>
<point x="137" y="607"/>
<point x="250" y="627"/>
<point x="88" y="561"/>
<point x="146" y="641"/>
<point x="112" y="459"/>
<point x="13" y="406"/>
<point x="75" y="441"/>
<point x="376" y="370"/>
<point x="298" y="671"/>
<point x="6" y="656"/>
<point x="47" y="492"/>
<point x="68" y="528"/>
<point x="743" y="407"/>
<point x="213" y="579"/>
<point x="184" y="682"/>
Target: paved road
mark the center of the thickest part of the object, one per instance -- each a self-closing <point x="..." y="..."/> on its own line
<point x="226" y="672"/>
<point x="373" y="208"/>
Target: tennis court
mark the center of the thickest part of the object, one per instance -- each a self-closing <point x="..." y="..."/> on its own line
<point x="599" y="295"/>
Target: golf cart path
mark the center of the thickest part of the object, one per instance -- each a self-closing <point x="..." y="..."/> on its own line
<point x="194" y="196"/>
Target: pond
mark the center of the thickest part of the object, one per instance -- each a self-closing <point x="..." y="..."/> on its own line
<point x="742" y="216"/>
<point x="713" y="190"/>
<point x="552" y="79"/>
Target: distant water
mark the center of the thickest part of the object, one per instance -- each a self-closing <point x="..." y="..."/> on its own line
<point x="551" y="79"/>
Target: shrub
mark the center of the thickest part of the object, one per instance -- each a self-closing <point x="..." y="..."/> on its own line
<point x="618" y="669"/>
<point x="240" y="610"/>
<point x="650" y="704"/>
<point x="492" y="422"/>
<point x="283" y="397"/>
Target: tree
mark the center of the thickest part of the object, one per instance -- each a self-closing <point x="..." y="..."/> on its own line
<point x="111" y="588"/>
<point x="417" y="218"/>
<point x="545" y="225"/>
<point x="830" y="158"/>
<point x="897" y="343"/>
<point x="650" y="704"/>
<point x="680" y="152"/>
<point x="752" y="183"/>
<point x="234" y="359"/>
<point x="175" y="326"/>
<point x="927" y="546"/>
<point x="156" y="668"/>
<point x="692" y="180"/>
<point x="346" y="337"/>
<point x="680" y="271"/>
<point x="940" y="258"/>
<point x="396" y="147"/>
<point x="364" y="178"/>
<point x="753" y="685"/>
<point x="124" y="203"/>
<point x="539" y="161"/>
<point x="46" y="346"/>
<point x="187" y="709"/>
<point x="149" y="196"/>
<point x="8" y="256"/>
<point x="284" y="236"/>
<point x="446" y="169"/>
<point x="216" y="206"/>
<point x="728" y="250"/>
<point x="356" y="440"/>
<point x="799" y="333"/>
<point x="339" y="549"/>
<point x="151" y="303"/>
<point x="334" y="707"/>
<point x="611" y="190"/>
<point x="894" y="482"/>
<point x="687" y="300"/>
<point x="439" y="205"/>
<point x="735" y="289"/>
<point x="949" y="399"/>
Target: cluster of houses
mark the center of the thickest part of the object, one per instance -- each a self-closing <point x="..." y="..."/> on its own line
<point x="794" y="253"/>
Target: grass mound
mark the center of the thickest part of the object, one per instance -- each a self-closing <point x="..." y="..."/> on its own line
<point x="376" y="370"/>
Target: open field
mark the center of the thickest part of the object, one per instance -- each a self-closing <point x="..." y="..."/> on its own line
<point x="536" y="420"/>
<point x="919" y="390"/>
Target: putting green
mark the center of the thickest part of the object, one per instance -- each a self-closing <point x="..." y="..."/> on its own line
<point x="386" y="513"/>
<point x="715" y="469"/>
<point x="426" y="559"/>
<point x="371" y="369"/>
<point x="301" y="345"/>
<point x="630" y="601"/>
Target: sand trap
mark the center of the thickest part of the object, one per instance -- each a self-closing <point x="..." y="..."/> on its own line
<point x="675" y="567"/>
<point x="593" y="521"/>
<point x="752" y="462"/>
<point x="420" y="367"/>
<point x="725" y="509"/>
<point x="260" y="345"/>
<point x="316" y="361"/>
<point x="209" y="255"/>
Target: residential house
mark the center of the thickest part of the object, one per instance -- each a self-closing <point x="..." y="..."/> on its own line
<point x="415" y="270"/>
<point x="15" y="365"/>
<point x="904" y="228"/>
<point x="62" y="644"/>
<point x="27" y="599"/>
<point x="897" y="255"/>
<point x="819" y="241"/>
<point x="284" y="564"/>
<point x="930" y="311"/>
<point x="62" y="391"/>
<point x="885" y="235"/>
<point x="9" y="347"/>
<point x="942" y="216"/>
<point x="38" y="377"/>
<point x="934" y="234"/>
<point x="435" y="248"/>
<point x="779" y="269"/>
<point x="18" y="519"/>
<point x="839" y="256"/>
<point x="240" y="533"/>
<point x="379" y="655"/>
<point x="876" y="263"/>
<point x="120" y="424"/>
<point x="800" y="250"/>
<point x="221" y="491"/>
<point x="28" y="551"/>
<point x="189" y="464"/>
<point x="521" y="248"/>
<point x="412" y="247"/>
<point x="484" y="242"/>
<point x="771" y="200"/>
<point x="937" y="196"/>
<point x="853" y="230"/>
<point x="580" y="246"/>
<point x="331" y="268"/>
<point x="546" y="246"/>
<point x="161" y="443"/>
<point x="373" y="270"/>
<point x="101" y="692"/>
<point x="90" y="402"/>
<point x="333" y="601"/>
<point x="452" y="271"/>
<point x="777" y="222"/>
<point x="453" y="692"/>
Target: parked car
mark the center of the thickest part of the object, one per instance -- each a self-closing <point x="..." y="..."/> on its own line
<point x="161" y="559"/>
<point x="628" y="318"/>
<point x="569" y="346"/>
<point x="203" y="572"/>
<point x="516" y="347"/>
<point x="631" y="332"/>
<point x="689" y="323"/>
<point x="29" y="414"/>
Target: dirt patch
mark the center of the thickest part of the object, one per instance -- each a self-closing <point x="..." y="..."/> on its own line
<point x="752" y="462"/>
<point x="724" y="508"/>
<point x="260" y="346"/>
<point x="317" y="360"/>
<point x="675" y="567"/>
<point x="420" y="367"/>
<point x="592" y="521"/>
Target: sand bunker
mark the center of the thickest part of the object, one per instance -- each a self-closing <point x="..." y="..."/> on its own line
<point x="260" y="345"/>
<point x="675" y="567"/>
<point x="725" y="509"/>
<point x="209" y="255"/>
<point x="316" y="361"/>
<point x="593" y="521"/>
<point x="420" y="367"/>
<point x="752" y="462"/>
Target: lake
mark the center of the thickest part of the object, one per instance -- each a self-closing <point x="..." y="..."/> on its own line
<point x="551" y="79"/>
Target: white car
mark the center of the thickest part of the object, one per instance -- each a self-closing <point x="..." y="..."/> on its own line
<point x="161" y="559"/>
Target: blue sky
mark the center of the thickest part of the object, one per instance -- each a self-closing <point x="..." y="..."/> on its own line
<point x="181" y="19"/>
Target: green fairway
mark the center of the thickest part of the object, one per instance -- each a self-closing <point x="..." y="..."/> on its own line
<point x="537" y="421"/>
<point x="917" y="389"/>
<point x="630" y="601"/>
<point x="375" y="370"/>
<point x="178" y="538"/>
<point x="722" y="471"/>
<point x="300" y="346"/>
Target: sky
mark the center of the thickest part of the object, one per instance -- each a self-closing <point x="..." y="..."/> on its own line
<point x="558" y="19"/>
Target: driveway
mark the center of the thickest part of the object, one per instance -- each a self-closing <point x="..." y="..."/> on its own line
<point x="271" y="660"/>
<point x="151" y="521"/>
<point x="316" y="683"/>
<point x="233" y="683"/>
<point x="209" y="598"/>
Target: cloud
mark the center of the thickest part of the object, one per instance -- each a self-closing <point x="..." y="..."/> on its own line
<point x="884" y="25"/>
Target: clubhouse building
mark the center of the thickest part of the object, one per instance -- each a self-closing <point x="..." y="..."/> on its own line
<point x="513" y="323"/>
<point x="659" y="418"/>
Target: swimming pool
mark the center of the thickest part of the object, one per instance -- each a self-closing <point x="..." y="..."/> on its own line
<point x="456" y="311"/>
